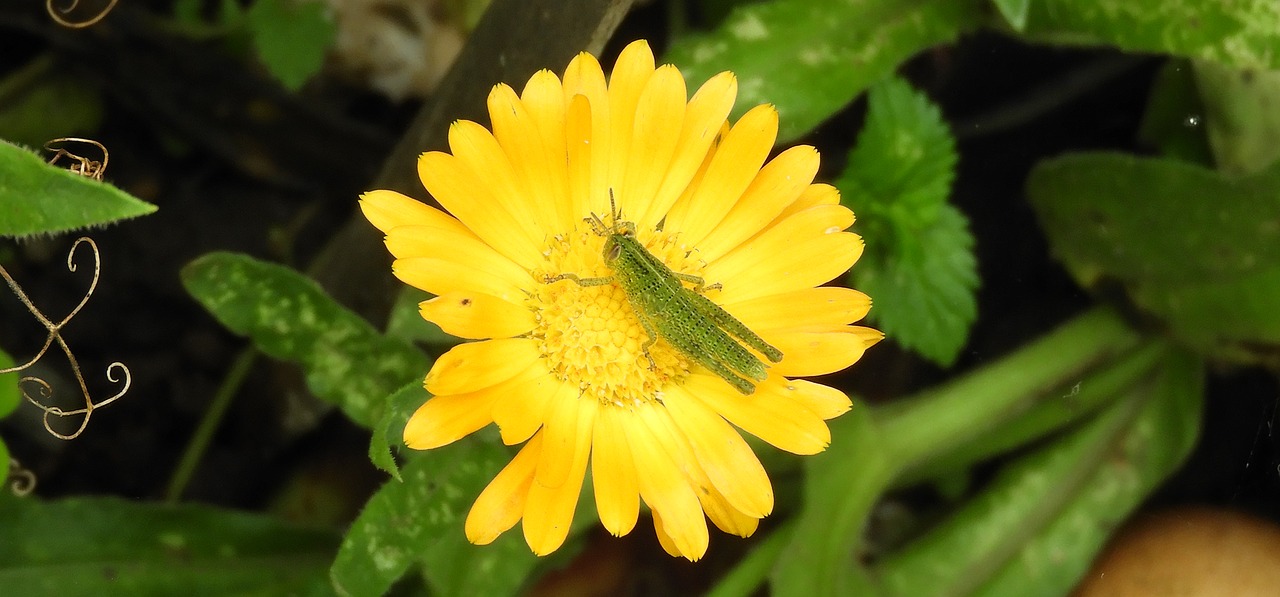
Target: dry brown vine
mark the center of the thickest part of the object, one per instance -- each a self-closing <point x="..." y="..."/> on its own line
<point x="58" y="14"/>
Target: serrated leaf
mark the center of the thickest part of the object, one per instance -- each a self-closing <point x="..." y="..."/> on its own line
<point x="110" y="546"/>
<point x="37" y="198"/>
<point x="288" y="316"/>
<point x="1035" y="529"/>
<point x="291" y="38"/>
<point x="811" y="58"/>
<point x="919" y="265"/>
<point x="419" y="522"/>
<point x="388" y="429"/>
<point x="1240" y="34"/>
<point x="1194" y="248"/>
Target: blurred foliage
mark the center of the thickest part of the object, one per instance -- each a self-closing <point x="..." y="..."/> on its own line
<point x="1086" y="421"/>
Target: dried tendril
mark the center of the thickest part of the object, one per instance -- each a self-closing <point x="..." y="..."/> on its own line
<point x="21" y="480"/>
<point x="117" y="372"/>
<point x="78" y="164"/>
<point x="58" y="14"/>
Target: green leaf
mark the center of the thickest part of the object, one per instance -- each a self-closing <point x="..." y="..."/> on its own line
<point x="1240" y="115"/>
<point x="1192" y="247"/>
<point x="1173" y="121"/>
<point x="387" y="431"/>
<point x="288" y="316"/>
<point x="1241" y="34"/>
<point x="406" y="321"/>
<point x="37" y="198"/>
<point x="419" y="522"/>
<point x="1014" y="12"/>
<point x="110" y="546"/>
<point x="1035" y="529"/>
<point x="919" y="265"/>
<point x="291" y="38"/>
<point x="9" y="396"/>
<point x="810" y="58"/>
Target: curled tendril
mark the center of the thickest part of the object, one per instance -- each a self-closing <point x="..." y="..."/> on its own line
<point x="21" y="481"/>
<point x="57" y="14"/>
<point x="80" y="165"/>
<point x="117" y="373"/>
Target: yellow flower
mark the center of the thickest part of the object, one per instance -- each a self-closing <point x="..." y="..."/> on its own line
<point x="562" y="367"/>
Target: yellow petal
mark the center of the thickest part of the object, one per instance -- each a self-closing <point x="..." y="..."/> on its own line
<point x="559" y="439"/>
<point x="441" y="275"/>
<point x="802" y="251"/>
<point x="613" y="474"/>
<point x="726" y="459"/>
<point x="501" y="504"/>
<point x="824" y="401"/>
<point x="658" y="119"/>
<point x="476" y="316"/>
<point x="579" y="151"/>
<point x="816" y="194"/>
<point x="668" y="544"/>
<point x="537" y="179"/>
<point x="584" y="77"/>
<point x="734" y="165"/>
<point x="666" y="489"/>
<point x="442" y="420"/>
<point x="494" y="165"/>
<point x="549" y="512"/>
<point x="524" y="409"/>
<point x="726" y="517"/>
<point x="803" y="309"/>
<point x="630" y="75"/>
<point x="471" y="366"/>
<point x="807" y="353"/>
<point x="777" y="186"/>
<point x="389" y="209"/>
<point x="543" y="97"/>
<point x="469" y="199"/>
<point x="464" y="249"/>
<point x="770" y="414"/>
<point x="705" y="114"/>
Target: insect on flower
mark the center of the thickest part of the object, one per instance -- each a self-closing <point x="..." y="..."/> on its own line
<point x="690" y="322"/>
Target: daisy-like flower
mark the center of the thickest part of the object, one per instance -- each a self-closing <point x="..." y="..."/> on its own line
<point x="568" y="369"/>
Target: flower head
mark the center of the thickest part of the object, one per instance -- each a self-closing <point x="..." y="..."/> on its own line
<point x="577" y="372"/>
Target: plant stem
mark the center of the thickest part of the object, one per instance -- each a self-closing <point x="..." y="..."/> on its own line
<point x="746" y="577"/>
<point x="199" y="442"/>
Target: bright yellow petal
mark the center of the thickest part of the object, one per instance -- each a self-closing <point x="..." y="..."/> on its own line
<point x="664" y="539"/>
<point x="584" y="77"/>
<point x="471" y="366"/>
<point x="476" y="316"/>
<point x="817" y="194"/>
<point x="802" y="251"/>
<point x="543" y="97"/>
<point x="803" y="309"/>
<point x="776" y="187"/>
<point x="469" y="199"/>
<point x="806" y="354"/>
<point x="666" y="489"/>
<point x="770" y="414"/>
<point x="824" y="401"/>
<point x="389" y="209"/>
<point x="524" y="409"/>
<point x="441" y="275"/>
<point x="406" y="242"/>
<point x="537" y="179"/>
<point x="630" y="75"/>
<point x="549" y="512"/>
<point x="613" y="474"/>
<point x="704" y="116"/>
<point x="560" y="438"/>
<point x="442" y="420"/>
<point x="501" y="504"/>
<point x="659" y="116"/>
<point x="579" y="151"/>
<point x="723" y="455"/>
<point x="725" y="516"/>
<point x="493" y="165"/>
<point x="734" y="165"/>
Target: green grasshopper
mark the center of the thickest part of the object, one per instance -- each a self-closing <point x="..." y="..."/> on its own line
<point x="690" y="322"/>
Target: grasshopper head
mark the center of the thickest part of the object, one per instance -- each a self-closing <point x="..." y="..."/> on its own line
<point x="613" y="243"/>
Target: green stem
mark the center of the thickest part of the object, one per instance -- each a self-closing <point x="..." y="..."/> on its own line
<point x="945" y="418"/>
<point x="199" y="442"/>
<point x="745" y="578"/>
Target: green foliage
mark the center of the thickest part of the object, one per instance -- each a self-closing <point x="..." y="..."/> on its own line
<point x="288" y="316"/>
<point x="291" y="38"/>
<point x="1173" y="122"/>
<point x="811" y="58"/>
<point x="1197" y="249"/>
<point x="37" y="105"/>
<point x="1014" y="12"/>
<point x="919" y="265"/>
<point x="406" y="321"/>
<point x="1243" y="123"/>
<point x="418" y="522"/>
<point x="9" y="396"/>
<point x="37" y="198"/>
<point x="111" y="546"/>
<point x="387" y="429"/>
<point x="1242" y="34"/>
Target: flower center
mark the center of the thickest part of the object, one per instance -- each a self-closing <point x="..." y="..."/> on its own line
<point x="590" y="335"/>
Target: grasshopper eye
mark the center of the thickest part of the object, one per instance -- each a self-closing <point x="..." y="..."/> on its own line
<point x="612" y="250"/>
